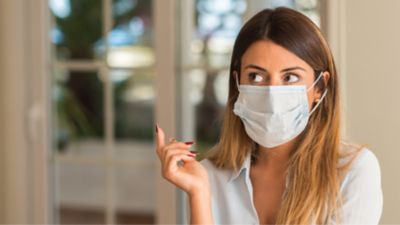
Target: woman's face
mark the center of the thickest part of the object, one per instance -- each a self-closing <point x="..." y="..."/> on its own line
<point x="266" y="63"/>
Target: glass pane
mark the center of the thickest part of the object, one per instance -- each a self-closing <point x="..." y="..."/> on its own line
<point x="81" y="194"/>
<point x="77" y="28"/>
<point x="133" y="24"/>
<point x="78" y="113"/>
<point x="134" y="97"/>
<point x="215" y="26"/>
<point x="131" y="39"/>
<point x="135" y="188"/>
<point x="308" y="7"/>
<point x="208" y="97"/>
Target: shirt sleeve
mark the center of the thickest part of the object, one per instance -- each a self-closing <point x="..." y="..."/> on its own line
<point x="362" y="192"/>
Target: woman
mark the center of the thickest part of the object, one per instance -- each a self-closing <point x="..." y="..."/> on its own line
<point x="280" y="159"/>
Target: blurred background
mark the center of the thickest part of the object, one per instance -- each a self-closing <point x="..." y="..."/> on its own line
<point x="83" y="82"/>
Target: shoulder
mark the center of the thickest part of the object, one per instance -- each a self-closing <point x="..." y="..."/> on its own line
<point x="367" y="161"/>
<point x="208" y="165"/>
<point x="361" y="190"/>
<point x="215" y="173"/>
<point x="364" y="164"/>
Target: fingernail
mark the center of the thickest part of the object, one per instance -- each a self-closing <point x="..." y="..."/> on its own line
<point x="189" y="142"/>
<point x="191" y="155"/>
<point x="194" y="152"/>
<point x="156" y="128"/>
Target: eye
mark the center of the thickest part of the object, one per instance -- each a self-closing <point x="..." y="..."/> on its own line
<point x="255" y="77"/>
<point x="291" y="78"/>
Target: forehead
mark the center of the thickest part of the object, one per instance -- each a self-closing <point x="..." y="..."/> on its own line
<point x="271" y="56"/>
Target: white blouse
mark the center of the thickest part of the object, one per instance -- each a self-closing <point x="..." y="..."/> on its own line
<point x="232" y="193"/>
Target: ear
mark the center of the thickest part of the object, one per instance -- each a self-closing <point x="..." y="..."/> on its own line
<point x="319" y="91"/>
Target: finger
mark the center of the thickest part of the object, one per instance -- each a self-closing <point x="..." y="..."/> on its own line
<point x="176" y="145"/>
<point x="171" y="147"/>
<point x="168" y="154"/>
<point x="183" y="145"/>
<point x="184" y="160"/>
<point x="173" y="162"/>
<point x="160" y="137"/>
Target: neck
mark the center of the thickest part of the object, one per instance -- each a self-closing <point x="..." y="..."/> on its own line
<point x="278" y="155"/>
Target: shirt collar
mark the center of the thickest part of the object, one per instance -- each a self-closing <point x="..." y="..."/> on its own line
<point x="245" y="166"/>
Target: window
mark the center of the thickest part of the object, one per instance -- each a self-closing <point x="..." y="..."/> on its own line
<point x="103" y="102"/>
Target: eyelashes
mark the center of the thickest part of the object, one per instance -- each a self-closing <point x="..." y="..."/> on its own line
<point x="259" y="78"/>
<point x="291" y="78"/>
<point x="256" y="77"/>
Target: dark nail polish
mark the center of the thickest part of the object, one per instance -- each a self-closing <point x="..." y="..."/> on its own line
<point x="189" y="142"/>
<point x="194" y="152"/>
<point x="156" y="128"/>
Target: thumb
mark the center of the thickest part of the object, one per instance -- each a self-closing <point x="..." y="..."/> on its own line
<point x="160" y="137"/>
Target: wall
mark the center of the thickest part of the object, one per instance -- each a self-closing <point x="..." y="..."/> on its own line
<point x="2" y="167"/>
<point x="372" y="80"/>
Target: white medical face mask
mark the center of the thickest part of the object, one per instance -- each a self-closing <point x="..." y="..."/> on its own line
<point x="274" y="115"/>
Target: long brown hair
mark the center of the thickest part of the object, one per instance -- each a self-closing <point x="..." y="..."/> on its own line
<point x="312" y="195"/>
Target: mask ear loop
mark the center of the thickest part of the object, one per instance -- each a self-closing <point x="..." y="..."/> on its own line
<point x="316" y="81"/>
<point x="319" y="102"/>
<point x="323" y="95"/>
<point x="236" y="79"/>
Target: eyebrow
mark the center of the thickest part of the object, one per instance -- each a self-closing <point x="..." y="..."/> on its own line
<point x="293" y="68"/>
<point x="255" y="67"/>
<point x="284" y="70"/>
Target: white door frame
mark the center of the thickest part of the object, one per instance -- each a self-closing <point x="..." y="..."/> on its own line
<point x="164" y="12"/>
<point x="25" y="140"/>
<point x="336" y="35"/>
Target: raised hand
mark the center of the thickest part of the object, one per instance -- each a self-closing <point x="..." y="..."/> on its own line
<point x="179" y="165"/>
